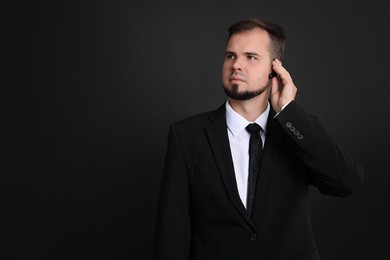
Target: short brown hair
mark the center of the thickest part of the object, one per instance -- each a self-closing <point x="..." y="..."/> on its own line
<point x="275" y="32"/>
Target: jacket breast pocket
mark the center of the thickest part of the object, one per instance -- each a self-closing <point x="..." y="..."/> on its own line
<point x="208" y="182"/>
<point x="309" y="255"/>
<point x="206" y="175"/>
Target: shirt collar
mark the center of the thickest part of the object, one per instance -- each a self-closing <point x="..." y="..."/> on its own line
<point x="236" y="123"/>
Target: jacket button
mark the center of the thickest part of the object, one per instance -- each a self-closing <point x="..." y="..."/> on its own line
<point x="253" y="237"/>
<point x="288" y="124"/>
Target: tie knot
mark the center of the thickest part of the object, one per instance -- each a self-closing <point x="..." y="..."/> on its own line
<point x="253" y="128"/>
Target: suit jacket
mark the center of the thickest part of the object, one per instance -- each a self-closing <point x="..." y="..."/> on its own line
<point x="200" y="214"/>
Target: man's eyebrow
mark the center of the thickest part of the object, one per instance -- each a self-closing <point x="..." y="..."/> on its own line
<point x="252" y="53"/>
<point x="246" y="53"/>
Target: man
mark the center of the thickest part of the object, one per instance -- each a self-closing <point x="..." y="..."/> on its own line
<point x="220" y="201"/>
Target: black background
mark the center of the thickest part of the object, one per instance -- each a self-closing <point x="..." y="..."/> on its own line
<point x="86" y="87"/>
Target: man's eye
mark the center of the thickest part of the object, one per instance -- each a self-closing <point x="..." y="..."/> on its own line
<point x="250" y="57"/>
<point x="230" y="56"/>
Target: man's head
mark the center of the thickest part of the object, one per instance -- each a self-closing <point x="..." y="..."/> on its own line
<point x="275" y="33"/>
<point x="250" y="49"/>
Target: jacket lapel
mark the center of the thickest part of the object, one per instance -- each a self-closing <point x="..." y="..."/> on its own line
<point x="219" y="142"/>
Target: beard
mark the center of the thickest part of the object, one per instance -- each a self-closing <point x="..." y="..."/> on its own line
<point x="233" y="92"/>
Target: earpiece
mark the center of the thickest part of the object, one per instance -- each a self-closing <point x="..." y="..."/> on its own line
<point x="272" y="74"/>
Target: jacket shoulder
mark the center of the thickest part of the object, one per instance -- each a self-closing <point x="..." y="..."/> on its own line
<point x="199" y="120"/>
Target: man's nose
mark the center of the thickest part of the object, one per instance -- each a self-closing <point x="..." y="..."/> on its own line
<point x="237" y="64"/>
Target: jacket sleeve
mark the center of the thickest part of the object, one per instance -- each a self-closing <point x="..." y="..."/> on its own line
<point x="172" y="227"/>
<point x="331" y="169"/>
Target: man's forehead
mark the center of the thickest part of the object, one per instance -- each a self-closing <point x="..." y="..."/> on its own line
<point x="248" y="41"/>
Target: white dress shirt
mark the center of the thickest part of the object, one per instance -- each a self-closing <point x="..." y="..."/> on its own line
<point x="239" y="144"/>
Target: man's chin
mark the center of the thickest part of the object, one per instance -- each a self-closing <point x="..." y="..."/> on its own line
<point x="235" y="94"/>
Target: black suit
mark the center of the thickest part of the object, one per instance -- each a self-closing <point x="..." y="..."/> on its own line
<point x="199" y="199"/>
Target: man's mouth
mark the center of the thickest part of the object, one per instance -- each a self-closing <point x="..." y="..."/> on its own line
<point x="236" y="78"/>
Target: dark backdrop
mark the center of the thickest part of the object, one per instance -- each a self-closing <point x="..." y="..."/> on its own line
<point x="88" y="90"/>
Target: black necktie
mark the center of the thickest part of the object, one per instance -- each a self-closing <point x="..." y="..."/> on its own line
<point x="255" y="152"/>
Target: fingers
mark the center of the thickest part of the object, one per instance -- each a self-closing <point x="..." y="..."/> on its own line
<point x="283" y="74"/>
<point x="275" y="94"/>
<point x="287" y="92"/>
<point x="275" y="86"/>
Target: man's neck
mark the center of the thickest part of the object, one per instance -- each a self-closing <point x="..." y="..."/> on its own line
<point x="250" y="109"/>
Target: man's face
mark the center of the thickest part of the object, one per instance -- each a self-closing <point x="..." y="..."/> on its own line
<point x="247" y="64"/>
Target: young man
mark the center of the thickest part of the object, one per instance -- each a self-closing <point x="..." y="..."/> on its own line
<point x="228" y="195"/>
